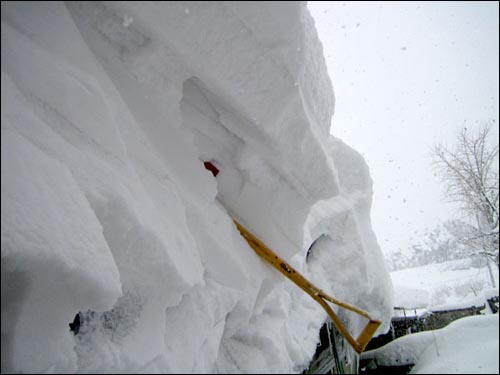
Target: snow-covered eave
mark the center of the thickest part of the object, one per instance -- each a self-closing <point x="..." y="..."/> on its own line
<point x="254" y="89"/>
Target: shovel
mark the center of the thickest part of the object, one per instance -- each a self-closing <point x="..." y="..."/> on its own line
<point x="317" y="294"/>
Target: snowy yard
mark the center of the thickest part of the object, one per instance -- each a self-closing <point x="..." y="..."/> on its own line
<point x="444" y="285"/>
<point x="467" y="345"/>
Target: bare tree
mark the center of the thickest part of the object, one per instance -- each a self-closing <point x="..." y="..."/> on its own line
<point x="470" y="172"/>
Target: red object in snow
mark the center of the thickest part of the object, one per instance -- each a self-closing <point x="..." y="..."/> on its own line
<point x="212" y="168"/>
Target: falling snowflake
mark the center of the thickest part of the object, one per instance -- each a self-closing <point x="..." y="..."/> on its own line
<point x="127" y="20"/>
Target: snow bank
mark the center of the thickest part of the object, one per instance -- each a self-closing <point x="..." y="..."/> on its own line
<point x="108" y="112"/>
<point x="339" y="235"/>
<point x="466" y="346"/>
<point x="403" y="351"/>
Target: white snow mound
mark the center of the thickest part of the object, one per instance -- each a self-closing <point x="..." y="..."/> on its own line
<point x="109" y="111"/>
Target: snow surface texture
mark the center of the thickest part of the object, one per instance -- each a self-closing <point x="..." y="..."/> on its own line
<point x="452" y="284"/>
<point x="466" y="346"/>
<point x="108" y="111"/>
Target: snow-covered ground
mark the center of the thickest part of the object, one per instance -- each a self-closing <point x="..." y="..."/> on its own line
<point x="109" y="110"/>
<point x="466" y="346"/>
<point x="456" y="283"/>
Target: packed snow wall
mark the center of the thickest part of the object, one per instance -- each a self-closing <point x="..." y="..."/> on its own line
<point x="109" y="111"/>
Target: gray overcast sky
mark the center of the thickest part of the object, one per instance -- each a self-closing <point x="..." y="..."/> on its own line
<point x="406" y="75"/>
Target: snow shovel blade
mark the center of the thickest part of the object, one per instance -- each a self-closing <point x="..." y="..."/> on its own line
<point x="314" y="292"/>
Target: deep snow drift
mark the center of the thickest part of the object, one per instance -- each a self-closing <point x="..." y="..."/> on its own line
<point x="108" y="112"/>
<point x="466" y="346"/>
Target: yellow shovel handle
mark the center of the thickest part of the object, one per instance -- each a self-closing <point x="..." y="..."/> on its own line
<point x="317" y="294"/>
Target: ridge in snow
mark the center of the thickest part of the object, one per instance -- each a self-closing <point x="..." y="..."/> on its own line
<point x="108" y="112"/>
